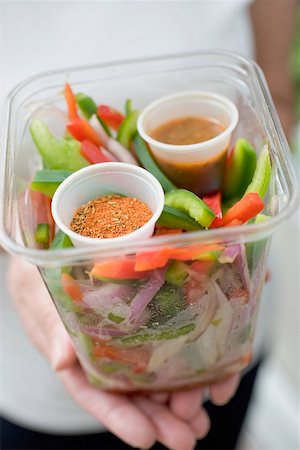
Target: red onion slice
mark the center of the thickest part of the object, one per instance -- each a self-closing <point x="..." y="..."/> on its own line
<point x="108" y="294"/>
<point x="94" y="122"/>
<point x="145" y="295"/>
<point x="242" y="265"/>
<point x="120" y="152"/>
<point x="229" y="254"/>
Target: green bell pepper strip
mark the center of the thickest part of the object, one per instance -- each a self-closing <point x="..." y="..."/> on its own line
<point x="47" y="181"/>
<point x="128" y="106"/>
<point x="174" y="218"/>
<point x="239" y="170"/>
<point x="166" y="304"/>
<point x="189" y="203"/>
<point x="137" y="339"/>
<point x="255" y="249"/>
<point x="61" y="240"/>
<point x="149" y="164"/>
<point x="42" y="234"/>
<point x="57" y="153"/>
<point x="115" y="318"/>
<point x="177" y="273"/>
<point x="88" y="107"/>
<point x="262" y="174"/>
<point x="128" y="128"/>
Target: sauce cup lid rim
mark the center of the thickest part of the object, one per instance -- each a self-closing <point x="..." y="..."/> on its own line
<point x="196" y="146"/>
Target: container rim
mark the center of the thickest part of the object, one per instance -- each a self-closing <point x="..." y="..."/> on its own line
<point x="248" y="233"/>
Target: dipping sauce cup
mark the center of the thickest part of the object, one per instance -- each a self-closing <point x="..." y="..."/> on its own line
<point x="198" y="167"/>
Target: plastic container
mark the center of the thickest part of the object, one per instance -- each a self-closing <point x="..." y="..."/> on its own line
<point x="198" y="167"/>
<point x="172" y="343"/>
<point x="103" y="179"/>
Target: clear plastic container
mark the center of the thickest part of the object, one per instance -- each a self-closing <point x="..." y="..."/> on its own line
<point x="200" y="327"/>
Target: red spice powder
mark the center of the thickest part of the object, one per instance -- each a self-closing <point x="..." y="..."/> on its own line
<point x="110" y="216"/>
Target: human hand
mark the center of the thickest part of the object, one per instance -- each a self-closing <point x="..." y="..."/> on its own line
<point x="176" y="420"/>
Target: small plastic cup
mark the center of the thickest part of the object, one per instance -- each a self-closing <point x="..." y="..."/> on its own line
<point x="198" y="167"/>
<point x="103" y="179"/>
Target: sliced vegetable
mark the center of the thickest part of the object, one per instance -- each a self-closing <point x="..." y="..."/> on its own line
<point x="155" y="259"/>
<point x="145" y="295"/>
<point x="80" y="129"/>
<point x="42" y="234"/>
<point x="61" y="240"/>
<point x="262" y="174"/>
<point x="119" y="268"/>
<point x="110" y="116"/>
<point x="174" y="218"/>
<point x="47" y="181"/>
<point x="255" y="249"/>
<point x="92" y="152"/>
<point x="166" y="304"/>
<point x="71" y="102"/>
<point x="214" y="202"/>
<point x="249" y="206"/>
<point x="204" y="267"/>
<point x="41" y="212"/>
<point x="128" y="106"/>
<point x="136" y="357"/>
<point x="71" y="287"/>
<point x="162" y="231"/>
<point x="128" y="128"/>
<point x="139" y="338"/>
<point x="149" y="164"/>
<point x="57" y="153"/>
<point x="115" y="318"/>
<point x="177" y="273"/>
<point x="192" y="205"/>
<point x="120" y="152"/>
<point x="88" y="108"/>
<point x="239" y="170"/>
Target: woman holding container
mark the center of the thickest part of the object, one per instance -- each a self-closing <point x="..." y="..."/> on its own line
<point x="47" y="415"/>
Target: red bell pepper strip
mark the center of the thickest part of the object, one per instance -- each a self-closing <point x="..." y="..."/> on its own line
<point x="246" y="208"/>
<point x="71" y="102"/>
<point x="92" y="153"/>
<point x="157" y="259"/>
<point x="159" y="231"/>
<point x="234" y="223"/>
<point x="71" y="287"/>
<point x="203" y="267"/>
<point x="41" y="210"/>
<point x="214" y="202"/>
<point x="80" y="129"/>
<point x="119" y="269"/>
<point x="136" y="357"/>
<point x="110" y="116"/>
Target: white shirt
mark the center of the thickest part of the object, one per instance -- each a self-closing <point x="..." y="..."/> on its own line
<point x="37" y="36"/>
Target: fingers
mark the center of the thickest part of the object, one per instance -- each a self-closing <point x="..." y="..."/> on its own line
<point x="160" y="397"/>
<point x="115" y="411"/>
<point x="221" y="393"/>
<point x="172" y="432"/>
<point x="186" y="404"/>
<point x="200" y="424"/>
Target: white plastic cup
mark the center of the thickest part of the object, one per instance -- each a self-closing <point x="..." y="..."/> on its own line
<point x="180" y="162"/>
<point x="103" y="179"/>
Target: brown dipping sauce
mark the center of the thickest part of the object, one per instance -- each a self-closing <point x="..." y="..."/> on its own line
<point x="187" y="130"/>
